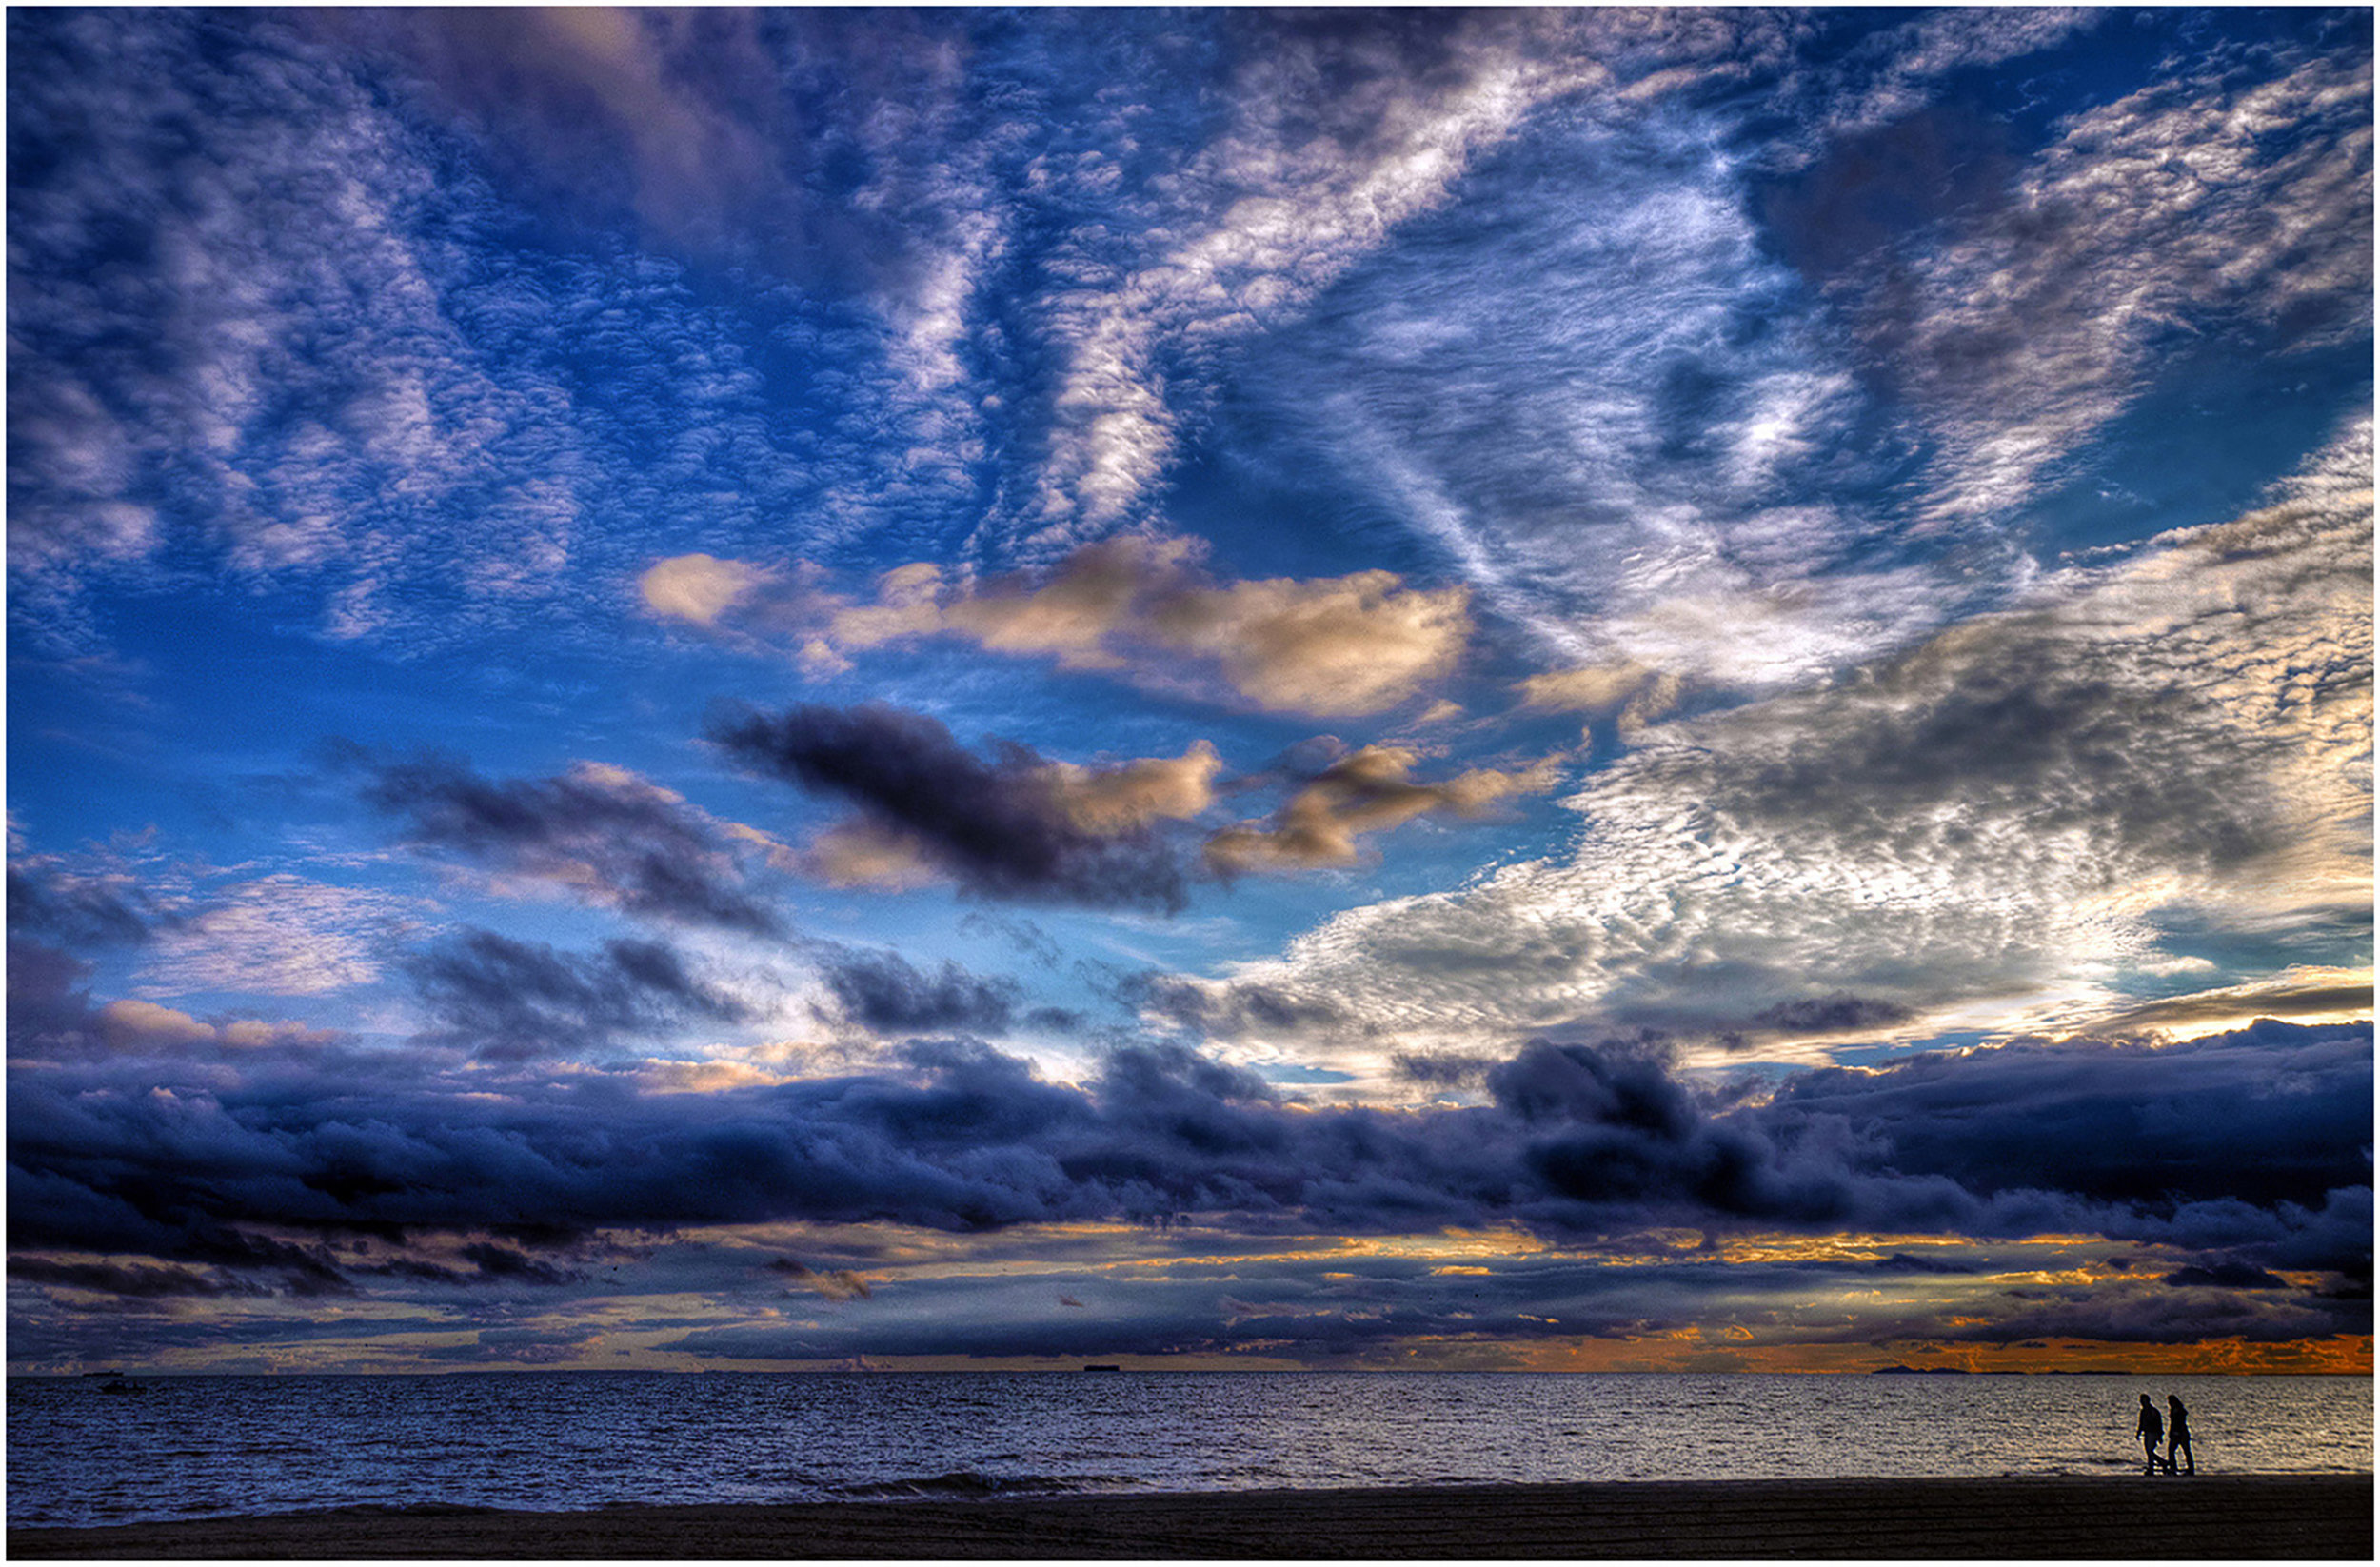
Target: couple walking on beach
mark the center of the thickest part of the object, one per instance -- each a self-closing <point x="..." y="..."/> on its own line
<point x="2152" y="1431"/>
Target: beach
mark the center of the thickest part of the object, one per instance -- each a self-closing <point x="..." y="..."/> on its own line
<point x="2300" y="1517"/>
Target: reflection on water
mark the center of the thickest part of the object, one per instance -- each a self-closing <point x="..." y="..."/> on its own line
<point x="196" y="1446"/>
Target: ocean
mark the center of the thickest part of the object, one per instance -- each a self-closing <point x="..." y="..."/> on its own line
<point x="196" y="1447"/>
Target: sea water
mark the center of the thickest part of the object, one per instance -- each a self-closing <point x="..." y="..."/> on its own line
<point x="193" y="1447"/>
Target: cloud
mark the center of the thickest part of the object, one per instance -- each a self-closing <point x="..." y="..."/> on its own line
<point x="1011" y="827"/>
<point x="673" y="116"/>
<point x="1623" y="417"/>
<point x="1137" y="793"/>
<point x="2232" y="1116"/>
<point x="1577" y="1142"/>
<point x="137" y="1281"/>
<point x="1335" y="135"/>
<point x="509" y="1001"/>
<point x="2297" y="994"/>
<point x="1140" y="607"/>
<point x="297" y="392"/>
<point x="2230" y="1276"/>
<point x="834" y="1283"/>
<point x="506" y="1265"/>
<point x="1239" y="1010"/>
<point x="697" y="588"/>
<point x="541" y="1345"/>
<point x="2198" y="201"/>
<point x="607" y="835"/>
<point x="1636" y="695"/>
<point x="76" y="910"/>
<point x="280" y="934"/>
<point x="1836" y="1013"/>
<point x="2018" y="813"/>
<point x="885" y="992"/>
<point x="1364" y="791"/>
<point x="1896" y="70"/>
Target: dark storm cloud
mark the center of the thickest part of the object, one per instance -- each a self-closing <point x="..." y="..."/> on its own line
<point x="136" y="1281"/>
<point x="1903" y="1263"/>
<point x="594" y="829"/>
<point x="886" y="992"/>
<point x="502" y="1262"/>
<point x="999" y="828"/>
<point x="2272" y="1113"/>
<point x="73" y="912"/>
<point x="1615" y="1134"/>
<point x="514" y="1001"/>
<point x="1443" y="1070"/>
<point x="48" y="1013"/>
<point x="51" y="914"/>
<point x="1830" y="1015"/>
<point x="1239" y="1011"/>
<point x="2230" y="1276"/>
<point x="1580" y="1141"/>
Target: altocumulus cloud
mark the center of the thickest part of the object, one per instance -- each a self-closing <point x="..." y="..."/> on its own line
<point x="2034" y="795"/>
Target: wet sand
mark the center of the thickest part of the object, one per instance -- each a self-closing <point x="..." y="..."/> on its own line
<point x="2213" y="1516"/>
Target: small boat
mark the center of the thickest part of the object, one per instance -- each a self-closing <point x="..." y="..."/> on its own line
<point x="120" y="1385"/>
<point x="1103" y="1368"/>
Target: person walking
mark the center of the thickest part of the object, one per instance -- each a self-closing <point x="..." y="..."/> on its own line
<point x="2177" y="1436"/>
<point x="2150" y="1430"/>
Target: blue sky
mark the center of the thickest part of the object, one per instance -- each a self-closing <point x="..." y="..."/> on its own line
<point x="1369" y="687"/>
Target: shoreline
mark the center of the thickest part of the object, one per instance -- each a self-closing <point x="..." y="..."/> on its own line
<point x="2288" y="1516"/>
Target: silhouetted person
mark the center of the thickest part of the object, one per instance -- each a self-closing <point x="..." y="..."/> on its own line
<point x="2152" y="1431"/>
<point x="2177" y="1443"/>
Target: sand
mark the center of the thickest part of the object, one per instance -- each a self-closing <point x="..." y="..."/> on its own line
<point x="2211" y="1515"/>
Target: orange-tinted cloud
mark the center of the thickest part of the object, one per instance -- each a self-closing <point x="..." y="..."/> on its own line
<point x="1365" y="791"/>
<point x="1139" y="607"/>
<point x="1628" y="690"/>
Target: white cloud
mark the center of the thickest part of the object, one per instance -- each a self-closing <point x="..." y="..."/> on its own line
<point x="279" y="935"/>
<point x="1989" y="831"/>
<point x="2185" y="200"/>
<point x="1335" y="140"/>
<point x="1599" y="394"/>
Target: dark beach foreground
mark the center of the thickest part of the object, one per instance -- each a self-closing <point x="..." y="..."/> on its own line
<point x="2235" y="1515"/>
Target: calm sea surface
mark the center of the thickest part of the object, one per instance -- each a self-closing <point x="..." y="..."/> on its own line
<point x="197" y="1446"/>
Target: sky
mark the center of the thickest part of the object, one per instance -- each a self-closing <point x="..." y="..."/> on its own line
<point x="1370" y="689"/>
